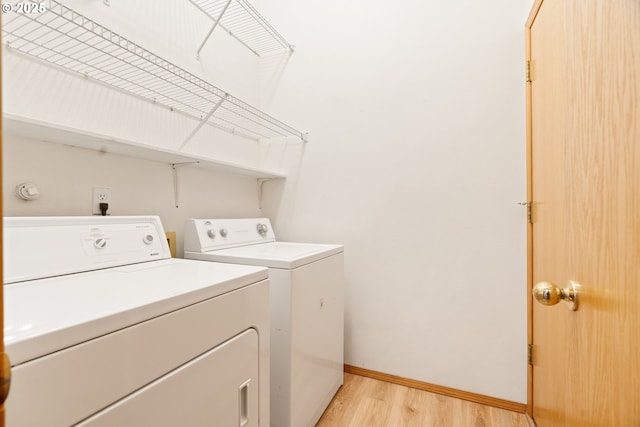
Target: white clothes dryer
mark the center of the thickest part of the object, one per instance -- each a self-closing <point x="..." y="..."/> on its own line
<point x="307" y="309"/>
<point x="104" y="328"/>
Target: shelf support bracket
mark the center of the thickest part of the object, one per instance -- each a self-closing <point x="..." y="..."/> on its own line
<point x="203" y="121"/>
<point x="215" y="24"/>
<point x="174" y="167"/>
<point x="261" y="181"/>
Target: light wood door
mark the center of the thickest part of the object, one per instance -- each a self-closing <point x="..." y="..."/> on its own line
<point x="3" y="368"/>
<point x="584" y="136"/>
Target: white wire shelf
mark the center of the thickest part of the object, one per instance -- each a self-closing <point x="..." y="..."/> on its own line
<point x="244" y="23"/>
<point x="67" y="39"/>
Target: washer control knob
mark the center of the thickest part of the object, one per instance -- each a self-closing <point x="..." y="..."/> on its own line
<point x="211" y="233"/>
<point x="148" y="239"/>
<point x="262" y="229"/>
<point x="100" y="243"/>
<point x="223" y="232"/>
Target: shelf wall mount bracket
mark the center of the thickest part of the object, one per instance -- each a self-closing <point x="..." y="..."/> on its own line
<point x="174" y="168"/>
<point x="260" y="182"/>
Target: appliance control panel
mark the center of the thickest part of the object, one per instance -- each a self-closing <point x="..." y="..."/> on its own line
<point x="38" y="247"/>
<point x="203" y="235"/>
<point x="119" y="240"/>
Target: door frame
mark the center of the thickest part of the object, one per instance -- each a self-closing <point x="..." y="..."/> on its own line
<point x="2" y="421"/>
<point x="530" y="69"/>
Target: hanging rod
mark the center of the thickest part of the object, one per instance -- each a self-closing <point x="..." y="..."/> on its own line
<point x="244" y="23"/>
<point x="67" y="39"/>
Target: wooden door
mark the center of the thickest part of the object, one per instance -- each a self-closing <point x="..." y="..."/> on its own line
<point x="584" y="184"/>
<point x="5" y="369"/>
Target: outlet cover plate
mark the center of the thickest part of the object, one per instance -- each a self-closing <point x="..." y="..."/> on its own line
<point x="101" y="195"/>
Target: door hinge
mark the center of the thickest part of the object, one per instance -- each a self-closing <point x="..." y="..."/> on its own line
<point x="528" y="205"/>
<point x="530" y="354"/>
<point x="531" y="70"/>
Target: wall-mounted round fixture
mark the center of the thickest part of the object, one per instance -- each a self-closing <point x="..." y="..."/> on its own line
<point x="27" y="191"/>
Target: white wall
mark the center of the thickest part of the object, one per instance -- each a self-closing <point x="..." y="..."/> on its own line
<point x="66" y="176"/>
<point x="416" y="162"/>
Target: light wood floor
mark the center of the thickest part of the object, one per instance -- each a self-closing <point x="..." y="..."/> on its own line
<point x="365" y="402"/>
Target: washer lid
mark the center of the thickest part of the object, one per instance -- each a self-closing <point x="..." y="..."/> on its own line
<point x="285" y="255"/>
<point x="46" y="315"/>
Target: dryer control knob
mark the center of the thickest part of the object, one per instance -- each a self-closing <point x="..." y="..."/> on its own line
<point x="211" y="233"/>
<point x="223" y="232"/>
<point x="148" y="239"/>
<point x="100" y="243"/>
<point x="262" y="229"/>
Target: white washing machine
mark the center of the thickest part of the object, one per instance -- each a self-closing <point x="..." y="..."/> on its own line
<point x="307" y="310"/>
<point x="104" y="328"/>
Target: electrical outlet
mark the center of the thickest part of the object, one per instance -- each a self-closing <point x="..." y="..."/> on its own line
<point x="101" y="195"/>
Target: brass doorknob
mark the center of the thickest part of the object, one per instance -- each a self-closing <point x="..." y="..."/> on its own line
<point x="549" y="294"/>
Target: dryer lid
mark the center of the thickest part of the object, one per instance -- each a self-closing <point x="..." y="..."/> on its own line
<point x="46" y="315"/>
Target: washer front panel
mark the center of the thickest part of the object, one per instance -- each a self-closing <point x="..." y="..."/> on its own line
<point x="219" y="388"/>
<point x="67" y="386"/>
